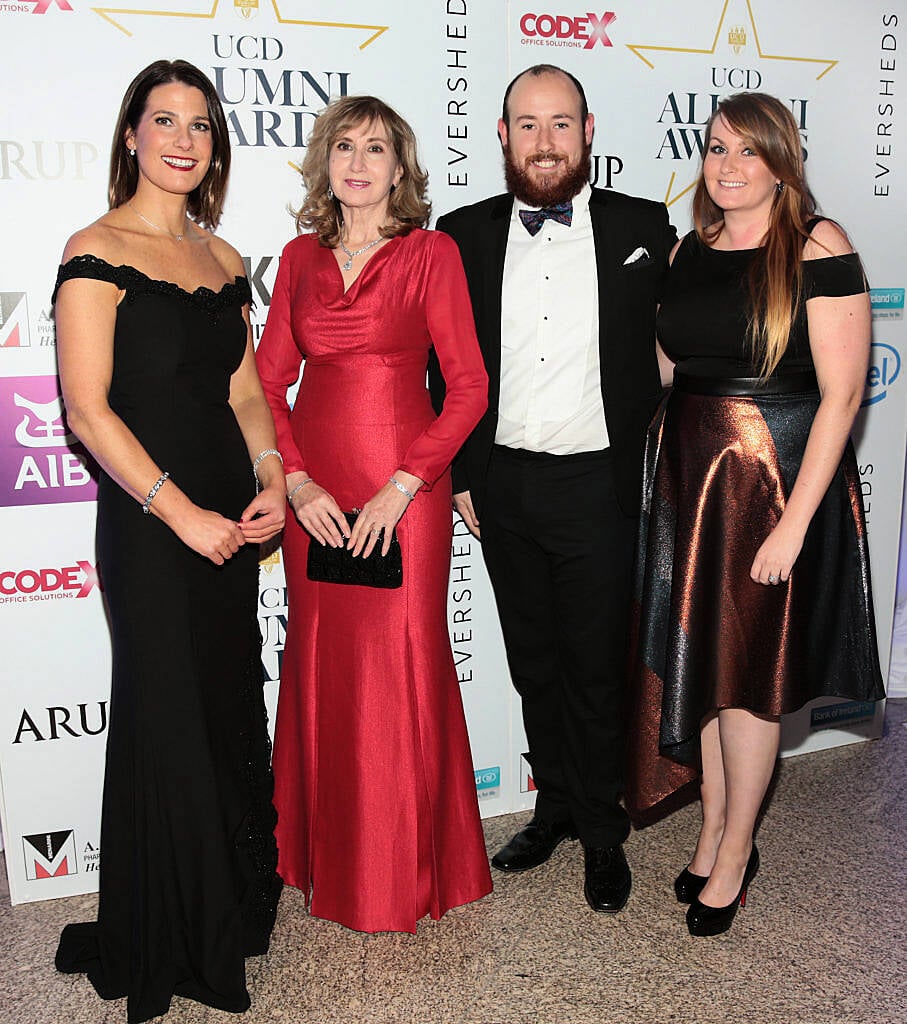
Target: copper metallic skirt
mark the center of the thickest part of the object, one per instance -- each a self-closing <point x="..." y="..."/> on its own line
<point x="718" y="468"/>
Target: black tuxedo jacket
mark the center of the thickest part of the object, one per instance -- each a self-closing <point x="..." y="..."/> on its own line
<point x="628" y="296"/>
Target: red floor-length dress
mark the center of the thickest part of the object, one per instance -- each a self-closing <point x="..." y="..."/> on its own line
<point x="377" y="813"/>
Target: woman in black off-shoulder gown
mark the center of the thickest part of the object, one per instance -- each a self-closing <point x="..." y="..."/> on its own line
<point x="159" y="383"/>
<point x="753" y="588"/>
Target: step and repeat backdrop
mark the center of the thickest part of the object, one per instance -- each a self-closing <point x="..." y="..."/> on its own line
<point x="653" y="73"/>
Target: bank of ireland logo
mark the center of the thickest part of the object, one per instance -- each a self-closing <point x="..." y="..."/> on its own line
<point x="50" y="855"/>
<point x="884" y="370"/>
<point x="13" y="320"/>
<point x="41" y="461"/>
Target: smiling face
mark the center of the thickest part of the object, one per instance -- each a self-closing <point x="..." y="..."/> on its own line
<point x="547" y="143"/>
<point x="173" y="138"/>
<point x="737" y="178"/>
<point x="362" y="167"/>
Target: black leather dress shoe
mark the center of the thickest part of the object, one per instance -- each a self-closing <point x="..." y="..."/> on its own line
<point x="608" y="879"/>
<point x="532" y="846"/>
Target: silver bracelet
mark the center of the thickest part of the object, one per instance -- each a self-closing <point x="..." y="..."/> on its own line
<point x="298" y="487"/>
<point x="158" y="484"/>
<point x="393" y="480"/>
<point x="263" y="455"/>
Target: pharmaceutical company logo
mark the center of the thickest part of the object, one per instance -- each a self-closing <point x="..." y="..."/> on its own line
<point x="887" y="303"/>
<point x="50" y="854"/>
<point x="527" y="784"/>
<point x="884" y="370"/>
<point x="847" y="713"/>
<point x="41" y="462"/>
<point x="579" y="31"/>
<point x="19" y="586"/>
<point x="488" y="782"/>
<point x="13" y="320"/>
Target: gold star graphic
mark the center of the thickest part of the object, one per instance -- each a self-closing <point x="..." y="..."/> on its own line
<point x="641" y="51"/>
<point x="107" y="13"/>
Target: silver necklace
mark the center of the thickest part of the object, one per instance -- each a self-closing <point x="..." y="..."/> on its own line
<point x="151" y="224"/>
<point x="357" y="252"/>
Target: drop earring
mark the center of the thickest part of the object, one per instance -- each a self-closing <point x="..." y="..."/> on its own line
<point x="132" y="152"/>
<point x="330" y="192"/>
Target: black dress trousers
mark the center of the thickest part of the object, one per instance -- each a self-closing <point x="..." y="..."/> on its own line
<point x="559" y="554"/>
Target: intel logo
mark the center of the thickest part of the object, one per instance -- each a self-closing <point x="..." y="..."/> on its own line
<point x="488" y="778"/>
<point x="883" y="372"/>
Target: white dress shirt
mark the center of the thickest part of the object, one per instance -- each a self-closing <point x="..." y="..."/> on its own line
<point x="551" y="399"/>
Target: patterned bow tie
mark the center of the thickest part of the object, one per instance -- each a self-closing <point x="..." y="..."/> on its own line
<point x="534" y="219"/>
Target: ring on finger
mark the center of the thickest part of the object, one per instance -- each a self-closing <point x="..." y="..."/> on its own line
<point x="773" y="578"/>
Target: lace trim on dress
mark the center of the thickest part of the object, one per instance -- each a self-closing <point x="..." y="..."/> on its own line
<point x="135" y="283"/>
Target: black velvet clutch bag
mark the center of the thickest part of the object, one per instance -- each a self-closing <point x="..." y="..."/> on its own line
<point x="337" y="565"/>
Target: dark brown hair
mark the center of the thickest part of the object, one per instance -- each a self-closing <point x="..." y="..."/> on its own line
<point x="408" y="206"/>
<point x="206" y="202"/>
<point x="775" y="277"/>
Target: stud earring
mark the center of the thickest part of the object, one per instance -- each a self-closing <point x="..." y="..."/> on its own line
<point x="132" y="152"/>
<point x="780" y="186"/>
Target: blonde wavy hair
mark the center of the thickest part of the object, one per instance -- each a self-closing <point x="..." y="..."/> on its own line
<point x="408" y="206"/>
<point x="775" y="276"/>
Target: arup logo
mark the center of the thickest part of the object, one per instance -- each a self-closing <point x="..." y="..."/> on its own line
<point x="887" y="303"/>
<point x="41" y="462"/>
<point x="563" y="30"/>
<point x="50" y="854"/>
<point x="883" y="372"/>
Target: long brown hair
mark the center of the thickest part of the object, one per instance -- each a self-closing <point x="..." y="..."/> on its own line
<point x="775" y="276"/>
<point x="408" y="206"/>
<point x="206" y="202"/>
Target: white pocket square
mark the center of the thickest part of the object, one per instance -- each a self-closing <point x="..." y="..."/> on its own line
<point x="637" y="255"/>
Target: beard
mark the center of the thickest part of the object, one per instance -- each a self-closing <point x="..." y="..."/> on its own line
<point x="547" y="192"/>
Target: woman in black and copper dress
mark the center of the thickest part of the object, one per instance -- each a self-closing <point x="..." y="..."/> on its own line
<point x="753" y="574"/>
<point x="159" y="382"/>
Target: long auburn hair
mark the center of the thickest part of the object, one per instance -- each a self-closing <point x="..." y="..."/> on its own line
<point x="206" y="202"/>
<point x="775" y="276"/>
<point x="408" y="206"/>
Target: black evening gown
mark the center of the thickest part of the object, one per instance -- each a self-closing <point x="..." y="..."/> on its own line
<point x="188" y="883"/>
<point x="722" y="455"/>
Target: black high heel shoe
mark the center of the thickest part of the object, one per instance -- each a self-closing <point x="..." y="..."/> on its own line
<point x="688" y="886"/>
<point x="705" y="920"/>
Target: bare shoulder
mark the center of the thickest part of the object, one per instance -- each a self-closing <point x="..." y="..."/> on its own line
<point x="227" y="256"/>
<point x="107" y="238"/>
<point x="826" y="239"/>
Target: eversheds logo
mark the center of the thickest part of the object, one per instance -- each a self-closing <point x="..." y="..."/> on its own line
<point x="563" y="30"/>
<point x="884" y="369"/>
<point x="50" y="854"/>
<point x="21" y="585"/>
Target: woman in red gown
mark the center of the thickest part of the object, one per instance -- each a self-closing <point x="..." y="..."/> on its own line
<point x="378" y="820"/>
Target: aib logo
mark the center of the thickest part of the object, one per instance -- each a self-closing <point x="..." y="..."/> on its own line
<point x="41" y="461"/>
<point x="587" y="30"/>
<point x="884" y="368"/>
